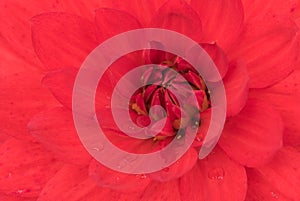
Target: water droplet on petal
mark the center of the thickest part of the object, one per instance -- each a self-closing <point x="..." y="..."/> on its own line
<point x="21" y="191"/>
<point x="166" y="169"/>
<point x="143" y="176"/>
<point x="9" y="175"/>
<point x="216" y="174"/>
<point x="274" y="195"/>
<point x="123" y="164"/>
<point x="100" y="147"/>
<point x="131" y="158"/>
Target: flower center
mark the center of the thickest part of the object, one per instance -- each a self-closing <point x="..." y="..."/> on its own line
<point x="158" y="94"/>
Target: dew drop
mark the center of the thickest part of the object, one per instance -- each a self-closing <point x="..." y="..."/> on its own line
<point x="117" y="179"/>
<point x="143" y="176"/>
<point x="166" y="169"/>
<point x="274" y="195"/>
<point x="131" y="128"/>
<point x="123" y="164"/>
<point x="9" y="175"/>
<point x="100" y="147"/>
<point x="216" y="174"/>
<point x="21" y="191"/>
<point x="130" y="159"/>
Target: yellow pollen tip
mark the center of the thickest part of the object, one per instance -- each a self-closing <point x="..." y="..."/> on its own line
<point x="157" y="138"/>
<point x="136" y="108"/>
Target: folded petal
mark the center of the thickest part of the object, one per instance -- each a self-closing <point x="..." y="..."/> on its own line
<point x="178" y="169"/>
<point x="285" y="98"/>
<point x="106" y="177"/>
<point x="61" y="83"/>
<point x="56" y="131"/>
<point x="25" y="167"/>
<point x="254" y="135"/>
<point x="218" y="56"/>
<point x="221" y="20"/>
<point x="178" y="16"/>
<point x="111" y="22"/>
<point x="215" y="178"/>
<point x="62" y="40"/>
<point x="167" y="191"/>
<point x="236" y="86"/>
<point x="278" y="180"/>
<point x="269" y="45"/>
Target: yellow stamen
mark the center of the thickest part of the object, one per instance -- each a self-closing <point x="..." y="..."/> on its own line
<point x="157" y="138"/>
<point x="136" y="108"/>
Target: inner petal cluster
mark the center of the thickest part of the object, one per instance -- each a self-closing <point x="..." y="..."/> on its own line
<point x="157" y="93"/>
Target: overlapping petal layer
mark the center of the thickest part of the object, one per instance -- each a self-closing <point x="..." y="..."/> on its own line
<point x="277" y="180"/>
<point x="56" y="131"/>
<point x="25" y="167"/>
<point x="216" y="178"/>
<point x="254" y="135"/>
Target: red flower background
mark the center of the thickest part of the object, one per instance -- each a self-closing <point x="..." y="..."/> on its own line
<point x="255" y="45"/>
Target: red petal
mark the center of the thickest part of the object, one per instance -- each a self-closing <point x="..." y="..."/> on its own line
<point x="55" y="130"/>
<point x="258" y="9"/>
<point x="279" y="179"/>
<point x="21" y="97"/>
<point x="221" y="20"/>
<point x="121" y="182"/>
<point x="216" y="178"/>
<point x="62" y="40"/>
<point x="16" y="28"/>
<point x="143" y="10"/>
<point x="236" y="86"/>
<point x="25" y="167"/>
<point x="218" y="57"/>
<point x="166" y="191"/>
<point x="179" y="168"/>
<point x="73" y="184"/>
<point x="69" y="181"/>
<point x="111" y="22"/>
<point x="15" y="198"/>
<point x="3" y="138"/>
<point x="270" y="47"/>
<point x="203" y="128"/>
<point x="260" y="189"/>
<point x="285" y="98"/>
<point x="177" y="15"/>
<point x="61" y="84"/>
<point x="254" y="135"/>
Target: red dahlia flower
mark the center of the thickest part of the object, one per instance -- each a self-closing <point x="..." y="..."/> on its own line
<point x="254" y="44"/>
